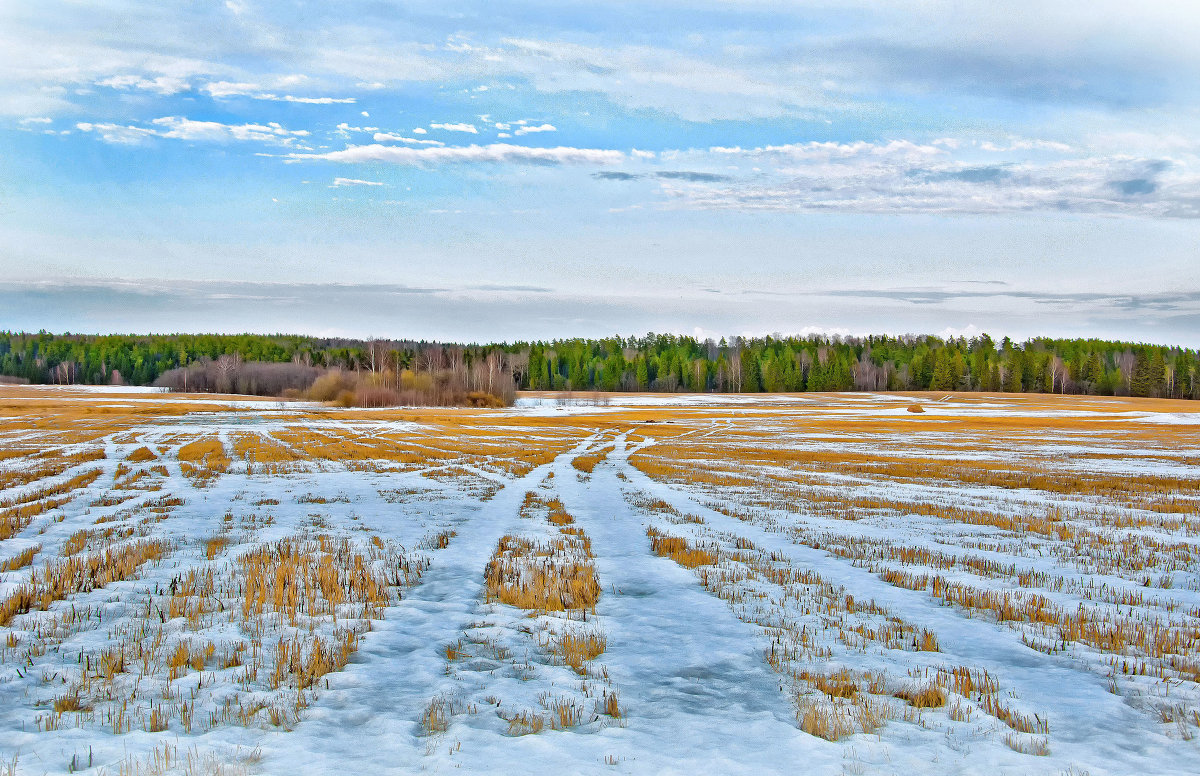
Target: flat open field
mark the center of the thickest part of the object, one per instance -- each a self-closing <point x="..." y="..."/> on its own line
<point x="684" y="584"/>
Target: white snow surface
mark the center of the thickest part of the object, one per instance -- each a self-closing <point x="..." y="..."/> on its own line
<point x="696" y="694"/>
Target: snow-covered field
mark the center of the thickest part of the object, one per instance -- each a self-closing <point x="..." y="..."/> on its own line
<point x="641" y="584"/>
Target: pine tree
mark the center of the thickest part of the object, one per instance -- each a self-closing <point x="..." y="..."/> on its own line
<point x="1141" y="384"/>
<point x="1094" y="372"/>
<point x="773" y="378"/>
<point x="1157" y="377"/>
<point x="751" y="372"/>
<point x="1013" y="380"/>
<point x="943" y="379"/>
<point x="816" y="376"/>
<point x="993" y="380"/>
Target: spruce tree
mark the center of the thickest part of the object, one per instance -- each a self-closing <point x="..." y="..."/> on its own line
<point x="1140" y="384"/>
<point x="943" y="379"/>
<point x="1013" y="380"/>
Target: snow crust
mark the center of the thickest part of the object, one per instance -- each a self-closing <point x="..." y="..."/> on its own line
<point x="696" y="693"/>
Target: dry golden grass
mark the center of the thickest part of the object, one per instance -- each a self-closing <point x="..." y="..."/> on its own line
<point x="304" y="661"/>
<point x="21" y="559"/>
<point x="1128" y="521"/>
<point x="553" y="576"/>
<point x="435" y="718"/>
<point x="575" y="648"/>
<point x="587" y="462"/>
<point x="263" y="454"/>
<point x="677" y="549"/>
<point x="215" y="545"/>
<point x="141" y="454"/>
<point x="14" y="519"/>
<point x="292" y="614"/>
<point x="79" y="575"/>
<point x="524" y="723"/>
<point x="564" y="712"/>
<point x="203" y="460"/>
<point x="558" y="514"/>
<point x="57" y="465"/>
<point x="80" y="540"/>
<point x="321" y="577"/>
<point x="930" y="696"/>
<point x="834" y="720"/>
<point x="610" y="704"/>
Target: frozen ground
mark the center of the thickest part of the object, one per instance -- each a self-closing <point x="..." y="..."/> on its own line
<point x="635" y="584"/>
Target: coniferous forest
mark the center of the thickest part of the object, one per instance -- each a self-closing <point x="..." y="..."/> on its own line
<point x="275" y="364"/>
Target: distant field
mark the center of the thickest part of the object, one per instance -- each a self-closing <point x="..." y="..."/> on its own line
<point x="820" y="583"/>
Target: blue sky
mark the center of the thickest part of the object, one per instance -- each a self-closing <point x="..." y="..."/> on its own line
<point x="483" y="171"/>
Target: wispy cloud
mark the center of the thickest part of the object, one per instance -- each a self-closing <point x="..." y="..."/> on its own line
<point x="148" y="304"/>
<point x="390" y="137"/>
<point x="1059" y="144"/>
<point x="213" y="131"/>
<point x="162" y="85"/>
<point x="669" y="175"/>
<point x="492" y="153"/>
<point x="906" y="177"/>
<point x="1174" y="302"/>
<point x="117" y="133"/>
<point x="225" y="89"/>
<point x="529" y="130"/>
<point x="690" y="176"/>
<point x="180" y="128"/>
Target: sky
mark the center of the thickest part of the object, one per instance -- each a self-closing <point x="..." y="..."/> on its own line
<point x="486" y="171"/>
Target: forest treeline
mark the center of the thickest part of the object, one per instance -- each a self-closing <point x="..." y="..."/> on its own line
<point x="411" y="372"/>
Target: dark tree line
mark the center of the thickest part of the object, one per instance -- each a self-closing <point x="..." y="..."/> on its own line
<point x="270" y="364"/>
<point x="818" y="363"/>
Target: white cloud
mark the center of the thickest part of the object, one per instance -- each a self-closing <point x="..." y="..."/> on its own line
<point x="219" y="89"/>
<point x="117" y="133"/>
<point x="340" y="182"/>
<point x="420" y="130"/>
<point x="906" y="177"/>
<point x="455" y="128"/>
<point x="309" y="100"/>
<point x="694" y="87"/>
<point x="495" y="152"/>
<point x="386" y="137"/>
<point x="180" y="128"/>
<point x="541" y="128"/>
<point x="223" y="89"/>
<point x="1024" y="144"/>
<point x="37" y="120"/>
<point x="162" y="85"/>
<point x="831" y="151"/>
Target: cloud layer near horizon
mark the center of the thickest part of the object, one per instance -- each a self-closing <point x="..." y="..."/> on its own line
<point x="655" y="140"/>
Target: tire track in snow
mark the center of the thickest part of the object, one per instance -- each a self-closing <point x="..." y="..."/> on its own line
<point x="1083" y="734"/>
<point x="400" y="666"/>
<point x="691" y="674"/>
